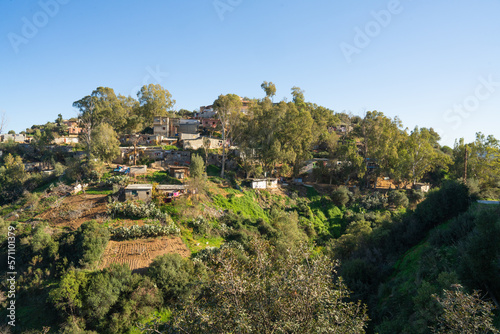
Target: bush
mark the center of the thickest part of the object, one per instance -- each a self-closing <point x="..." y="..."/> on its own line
<point x="41" y="239"/>
<point x="121" y="180"/>
<point x="374" y="201"/>
<point x="200" y="225"/>
<point x="416" y="195"/>
<point x="138" y="210"/>
<point x="4" y="228"/>
<point x="145" y="231"/>
<point x="341" y="196"/>
<point x="91" y="241"/>
<point x="398" y="198"/>
<point x="174" y="275"/>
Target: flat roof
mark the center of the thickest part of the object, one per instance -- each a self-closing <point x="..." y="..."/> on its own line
<point x="139" y="187"/>
<point x="170" y="186"/>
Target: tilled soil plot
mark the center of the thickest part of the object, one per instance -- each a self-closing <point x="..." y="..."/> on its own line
<point x="139" y="253"/>
<point x="72" y="211"/>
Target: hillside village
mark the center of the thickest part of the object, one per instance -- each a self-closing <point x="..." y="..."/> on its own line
<point x="133" y="205"/>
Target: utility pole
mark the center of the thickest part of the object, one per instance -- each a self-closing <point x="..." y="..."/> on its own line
<point x="465" y="165"/>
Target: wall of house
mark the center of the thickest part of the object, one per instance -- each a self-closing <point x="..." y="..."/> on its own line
<point x="132" y="194"/>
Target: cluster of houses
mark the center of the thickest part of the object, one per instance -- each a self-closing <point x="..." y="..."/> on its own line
<point x="184" y="133"/>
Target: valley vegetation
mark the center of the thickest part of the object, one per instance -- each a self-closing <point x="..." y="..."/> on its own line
<point x="354" y="248"/>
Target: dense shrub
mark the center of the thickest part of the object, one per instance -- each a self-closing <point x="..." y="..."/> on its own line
<point x="397" y="198"/>
<point x="145" y="231"/>
<point x="200" y="225"/>
<point x="120" y="180"/>
<point x="416" y="195"/>
<point x="374" y="201"/>
<point x="91" y="241"/>
<point x="341" y="196"/>
<point x="175" y="275"/>
<point x="137" y="210"/>
<point x="266" y="291"/>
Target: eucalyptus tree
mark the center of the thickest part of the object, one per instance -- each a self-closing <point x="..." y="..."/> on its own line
<point x="381" y="136"/>
<point x="483" y="160"/>
<point x="420" y="153"/>
<point x="105" y="143"/>
<point x="154" y="101"/>
<point x="228" y="109"/>
<point x="101" y="106"/>
<point x="269" y="88"/>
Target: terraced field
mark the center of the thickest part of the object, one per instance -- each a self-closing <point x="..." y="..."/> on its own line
<point x="139" y="253"/>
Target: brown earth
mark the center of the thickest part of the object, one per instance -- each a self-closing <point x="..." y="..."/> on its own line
<point x="74" y="210"/>
<point x="139" y="253"/>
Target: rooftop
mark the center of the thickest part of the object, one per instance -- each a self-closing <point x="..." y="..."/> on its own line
<point x="139" y="187"/>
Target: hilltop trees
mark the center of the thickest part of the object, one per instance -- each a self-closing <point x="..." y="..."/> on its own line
<point x="269" y="88"/>
<point x="123" y="114"/>
<point x="228" y="109"/>
<point x="105" y="143"/>
<point x="154" y="101"/>
<point x="483" y="163"/>
<point x="419" y="153"/>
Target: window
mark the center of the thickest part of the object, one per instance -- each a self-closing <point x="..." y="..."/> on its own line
<point x="134" y="193"/>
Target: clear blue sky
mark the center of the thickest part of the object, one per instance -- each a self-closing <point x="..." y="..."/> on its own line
<point x="418" y="61"/>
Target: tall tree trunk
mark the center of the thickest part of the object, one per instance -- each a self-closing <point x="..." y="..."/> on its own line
<point x="223" y="151"/>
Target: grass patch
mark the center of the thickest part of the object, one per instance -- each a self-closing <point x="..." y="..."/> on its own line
<point x="195" y="244"/>
<point x="312" y="193"/>
<point x="98" y="191"/>
<point x="170" y="148"/>
<point x="213" y="170"/>
<point x="246" y="205"/>
<point x="160" y="177"/>
<point x="163" y="315"/>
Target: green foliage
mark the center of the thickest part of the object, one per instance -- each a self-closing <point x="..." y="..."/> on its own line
<point x="416" y="195"/>
<point x="160" y="177"/>
<point x="373" y="201"/>
<point x="197" y="167"/>
<point x="108" y="301"/>
<point x="200" y="225"/>
<point x="246" y="205"/>
<point x="121" y="180"/>
<point x="341" y="196"/>
<point x="137" y="210"/>
<point x="480" y="253"/>
<point x="12" y="177"/>
<point x="464" y="313"/>
<point x="41" y="239"/>
<point x="397" y="198"/>
<point x="4" y="229"/>
<point x="175" y="276"/>
<point x="213" y="170"/>
<point x="482" y="163"/>
<point x="144" y="231"/>
<point x="67" y="295"/>
<point x="170" y="148"/>
<point x="91" y="241"/>
<point x="266" y="291"/>
<point x="154" y="101"/>
<point x="105" y="144"/>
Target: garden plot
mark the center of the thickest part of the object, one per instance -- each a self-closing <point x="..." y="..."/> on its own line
<point x="139" y="253"/>
<point x="75" y="210"/>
